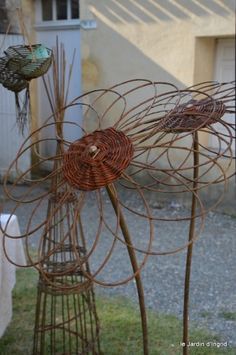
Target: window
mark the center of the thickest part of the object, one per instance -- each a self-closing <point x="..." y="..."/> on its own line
<point x="74" y="9"/>
<point x="56" y="10"/>
<point x="61" y="10"/>
<point x="47" y="10"/>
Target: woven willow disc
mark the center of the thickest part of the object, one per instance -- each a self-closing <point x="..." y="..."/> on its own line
<point x="201" y="113"/>
<point x="97" y="159"/>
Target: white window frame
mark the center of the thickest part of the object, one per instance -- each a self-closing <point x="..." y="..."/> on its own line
<point x="218" y="62"/>
<point x="54" y="11"/>
<point x="55" y="24"/>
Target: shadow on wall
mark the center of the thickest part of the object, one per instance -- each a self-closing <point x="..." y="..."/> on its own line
<point x="123" y="60"/>
<point x="161" y="10"/>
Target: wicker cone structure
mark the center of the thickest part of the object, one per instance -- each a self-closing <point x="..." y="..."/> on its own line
<point x="65" y="324"/>
<point x="66" y="320"/>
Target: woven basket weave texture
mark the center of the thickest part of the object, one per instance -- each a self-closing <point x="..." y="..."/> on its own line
<point x="23" y="61"/>
<point x="97" y="159"/>
<point x="10" y="80"/>
<point x="199" y="114"/>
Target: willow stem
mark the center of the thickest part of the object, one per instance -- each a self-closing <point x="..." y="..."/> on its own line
<point x="134" y="263"/>
<point x="190" y="247"/>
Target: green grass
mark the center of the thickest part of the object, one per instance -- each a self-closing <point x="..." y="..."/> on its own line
<point x="206" y="314"/>
<point x="228" y="315"/>
<point x="120" y="326"/>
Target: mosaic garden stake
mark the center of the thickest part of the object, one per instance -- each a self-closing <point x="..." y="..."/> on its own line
<point x="148" y="147"/>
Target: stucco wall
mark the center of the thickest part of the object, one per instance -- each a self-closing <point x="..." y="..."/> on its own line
<point x="153" y="39"/>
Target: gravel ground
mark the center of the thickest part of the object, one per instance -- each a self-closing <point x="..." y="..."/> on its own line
<point x="213" y="280"/>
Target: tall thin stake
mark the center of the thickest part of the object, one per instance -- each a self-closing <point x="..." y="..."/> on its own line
<point x="190" y="247"/>
<point x="133" y="260"/>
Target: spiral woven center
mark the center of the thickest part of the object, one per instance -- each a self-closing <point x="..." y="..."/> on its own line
<point x="200" y="114"/>
<point x="97" y="159"/>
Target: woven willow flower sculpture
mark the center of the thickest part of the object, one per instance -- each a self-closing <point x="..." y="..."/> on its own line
<point x="140" y="136"/>
<point x="143" y="135"/>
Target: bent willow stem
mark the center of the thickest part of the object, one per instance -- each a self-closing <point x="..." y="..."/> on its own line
<point x="190" y="247"/>
<point x="133" y="260"/>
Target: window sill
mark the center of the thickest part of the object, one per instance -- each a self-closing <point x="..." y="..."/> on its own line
<point x="66" y="25"/>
